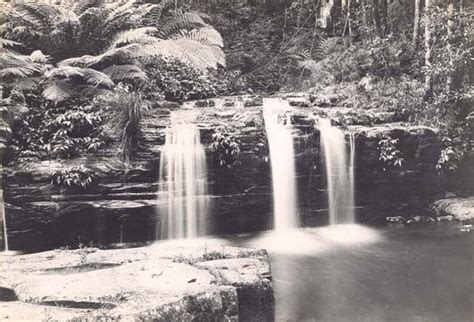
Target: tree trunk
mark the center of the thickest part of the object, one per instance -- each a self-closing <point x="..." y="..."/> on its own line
<point x="428" y="53"/>
<point x="416" y="23"/>
<point x="451" y="71"/>
<point x="383" y="17"/>
<point x="376" y="15"/>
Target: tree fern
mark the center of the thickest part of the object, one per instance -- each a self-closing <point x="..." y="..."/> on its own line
<point x="58" y="90"/>
<point x="127" y="73"/>
<point x="325" y="47"/>
<point x="140" y="35"/>
<point x="60" y="83"/>
<point x="185" y="21"/>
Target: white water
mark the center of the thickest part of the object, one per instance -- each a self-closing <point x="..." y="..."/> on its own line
<point x="4" y="222"/>
<point x="182" y="198"/>
<point x="282" y="159"/>
<point x="339" y="171"/>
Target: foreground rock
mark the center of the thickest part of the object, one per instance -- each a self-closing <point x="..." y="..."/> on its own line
<point x="461" y="209"/>
<point x="160" y="283"/>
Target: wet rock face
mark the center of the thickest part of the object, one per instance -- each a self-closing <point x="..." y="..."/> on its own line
<point x="121" y="206"/>
<point x="159" y="283"/>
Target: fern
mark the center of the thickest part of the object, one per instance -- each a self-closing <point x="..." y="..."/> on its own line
<point x="14" y="66"/>
<point x="139" y="35"/>
<point x="58" y="90"/>
<point x="129" y="73"/>
<point x="185" y="21"/>
<point x="81" y="7"/>
<point x="325" y="47"/>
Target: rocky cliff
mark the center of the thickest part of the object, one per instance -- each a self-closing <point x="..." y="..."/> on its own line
<point x="121" y="205"/>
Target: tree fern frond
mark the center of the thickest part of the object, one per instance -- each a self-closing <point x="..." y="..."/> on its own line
<point x="16" y="72"/>
<point x="207" y="35"/>
<point x="153" y="18"/>
<point x="120" y="73"/>
<point x="58" y="90"/>
<point x="82" y="61"/>
<point x="139" y="35"/>
<point x="38" y="57"/>
<point x="42" y="16"/>
<point x="325" y="47"/>
<point x="82" y="6"/>
<point x="188" y="51"/>
<point x="26" y="84"/>
<point x="185" y="21"/>
<point x="120" y="55"/>
<point x="8" y="43"/>
<point x="63" y="72"/>
<point x="96" y="78"/>
<point x="87" y="75"/>
<point x="14" y="65"/>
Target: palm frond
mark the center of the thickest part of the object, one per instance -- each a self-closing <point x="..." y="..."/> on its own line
<point x="119" y="73"/>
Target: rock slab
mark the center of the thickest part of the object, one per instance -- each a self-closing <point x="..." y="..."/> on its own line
<point x="160" y="282"/>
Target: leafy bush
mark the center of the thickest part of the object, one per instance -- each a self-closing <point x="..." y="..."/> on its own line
<point x="390" y="156"/>
<point x="74" y="177"/>
<point x="226" y="148"/>
<point x="449" y="159"/>
<point x="177" y="81"/>
<point x="55" y="130"/>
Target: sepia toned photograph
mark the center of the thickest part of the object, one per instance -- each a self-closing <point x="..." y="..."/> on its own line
<point x="237" y="160"/>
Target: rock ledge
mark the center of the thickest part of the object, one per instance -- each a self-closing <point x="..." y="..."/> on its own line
<point x="161" y="282"/>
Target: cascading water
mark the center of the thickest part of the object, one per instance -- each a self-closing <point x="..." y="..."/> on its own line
<point x="282" y="159"/>
<point x="4" y="223"/>
<point x="183" y="201"/>
<point x="339" y="171"/>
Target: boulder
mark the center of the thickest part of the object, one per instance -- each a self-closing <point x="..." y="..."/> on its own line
<point x="461" y="209"/>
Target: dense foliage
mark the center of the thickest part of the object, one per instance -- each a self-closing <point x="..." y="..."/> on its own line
<point x="77" y="77"/>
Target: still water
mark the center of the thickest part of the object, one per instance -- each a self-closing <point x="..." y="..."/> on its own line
<point x="355" y="273"/>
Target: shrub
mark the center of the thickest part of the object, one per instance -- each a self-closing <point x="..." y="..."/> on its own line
<point x="390" y="156"/>
<point x="74" y="177"/>
<point x="226" y="148"/>
<point x="48" y="130"/>
<point x="177" y="81"/>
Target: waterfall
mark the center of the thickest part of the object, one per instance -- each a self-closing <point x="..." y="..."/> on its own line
<point x="282" y="161"/>
<point x="182" y="197"/>
<point x="4" y="222"/>
<point x="339" y="171"/>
